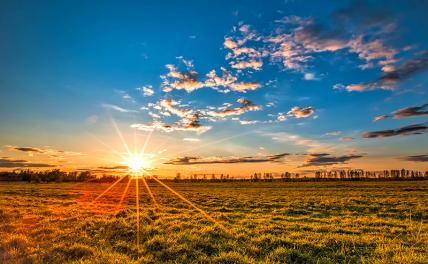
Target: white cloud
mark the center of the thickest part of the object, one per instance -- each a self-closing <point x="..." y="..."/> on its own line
<point x="310" y="77"/>
<point x="160" y="126"/>
<point x="189" y="81"/>
<point x="118" y="108"/>
<point x="248" y="122"/>
<point x="147" y="90"/>
<point x="333" y="133"/>
<point x="191" y="139"/>
<point x="253" y="64"/>
<point x="300" y="112"/>
<point x="281" y="117"/>
<point x="169" y="106"/>
<point x="246" y="106"/>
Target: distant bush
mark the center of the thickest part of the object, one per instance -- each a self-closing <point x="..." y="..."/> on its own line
<point x="46" y="176"/>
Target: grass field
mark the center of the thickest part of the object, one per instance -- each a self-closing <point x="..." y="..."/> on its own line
<point x="308" y="222"/>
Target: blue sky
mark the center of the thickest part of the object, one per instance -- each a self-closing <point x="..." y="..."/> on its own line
<point x="299" y="77"/>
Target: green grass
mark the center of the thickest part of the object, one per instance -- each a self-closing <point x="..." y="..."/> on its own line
<point x="301" y="222"/>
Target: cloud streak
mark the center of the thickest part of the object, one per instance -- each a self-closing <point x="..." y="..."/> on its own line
<point x="411" y="111"/>
<point x="169" y="105"/>
<point x="191" y="139"/>
<point x="119" y="167"/>
<point x="146" y="90"/>
<point x="402" y="131"/>
<point x="246" y="106"/>
<point x="300" y="112"/>
<point x="390" y="79"/>
<point x="189" y="123"/>
<point x="118" y="108"/>
<point x="48" y="151"/>
<point x="324" y="159"/>
<point x="20" y="163"/>
<point x="417" y="158"/>
<point x="226" y="160"/>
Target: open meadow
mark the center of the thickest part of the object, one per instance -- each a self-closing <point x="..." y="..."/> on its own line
<point x="263" y="222"/>
<point x="214" y="132"/>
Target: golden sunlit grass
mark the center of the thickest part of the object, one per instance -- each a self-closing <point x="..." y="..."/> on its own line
<point x="142" y="219"/>
<point x="307" y="222"/>
<point x="138" y="165"/>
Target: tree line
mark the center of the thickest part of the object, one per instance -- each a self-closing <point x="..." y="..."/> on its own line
<point x="361" y="174"/>
<point x="351" y="174"/>
<point x="55" y="175"/>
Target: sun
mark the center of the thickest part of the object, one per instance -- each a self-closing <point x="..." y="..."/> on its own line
<point x="136" y="164"/>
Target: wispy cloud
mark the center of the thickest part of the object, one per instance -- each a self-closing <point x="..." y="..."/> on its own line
<point x="417" y="158"/>
<point x="382" y="117"/>
<point x="324" y="159"/>
<point x="226" y="160"/>
<point x="169" y="105"/>
<point x="146" y="90"/>
<point x="310" y="77"/>
<point x="248" y="122"/>
<point x="191" y="139"/>
<point x="421" y="110"/>
<point x="126" y="96"/>
<point x="411" y="111"/>
<point x="118" y="108"/>
<point x="20" y="163"/>
<point x="28" y="149"/>
<point x="246" y="106"/>
<point x="240" y="56"/>
<point x="119" y="167"/>
<point x="333" y="133"/>
<point x="295" y="41"/>
<point x="390" y="79"/>
<point x="189" y="123"/>
<point x="244" y="86"/>
<point x="45" y="150"/>
<point x="253" y="64"/>
<point x="402" y="131"/>
<point x="189" y="80"/>
<point x="181" y="80"/>
<point x="300" y="112"/>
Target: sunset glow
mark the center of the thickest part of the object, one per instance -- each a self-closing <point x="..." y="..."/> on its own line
<point x="271" y="89"/>
<point x="137" y="164"/>
<point x="282" y="131"/>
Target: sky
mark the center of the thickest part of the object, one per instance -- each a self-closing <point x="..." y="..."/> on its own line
<point x="232" y="87"/>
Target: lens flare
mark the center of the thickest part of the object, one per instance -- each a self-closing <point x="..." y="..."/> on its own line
<point x="139" y="167"/>
<point x="137" y="164"/>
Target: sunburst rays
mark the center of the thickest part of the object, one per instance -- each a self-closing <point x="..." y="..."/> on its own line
<point x="137" y="204"/>
<point x="205" y="214"/>
<point x="150" y="193"/>
<point x="108" y="189"/>
<point x="124" y="194"/>
<point x="142" y="173"/>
